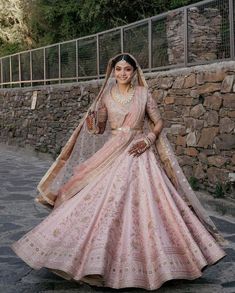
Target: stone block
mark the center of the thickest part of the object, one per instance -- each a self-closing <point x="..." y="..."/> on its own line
<point x="226" y="125"/>
<point x="177" y="129"/>
<point x="178" y="83"/>
<point x="189" y="81"/>
<point x="192" y="152"/>
<point x="233" y="159"/>
<point x="181" y="141"/>
<point x="169" y="114"/>
<point x="186" y="101"/>
<point x="210" y="76"/>
<point x="217" y="161"/>
<point x="193" y="124"/>
<point x="169" y="100"/>
<point x="208" y="88"/>
<point x="216" y="175"/>
<point x="188" y="171"/>
<point x="229" y="101"/>
<point x="186" y="111"/>
<point x="186" y="160"/>
<point x="213" y="102"/>
<point x="197" y="111"/>
<point x="231" y="114"/>
<point x="194" y="93"/>
<point x="211" y="118"/>
<point x="179" y="150"/>
<point x="159" y="95"/>
<point x="165" y="82"/>
<point x="227" y="84"/>
<point x="207" y="136"/>
<point x="191" y="139"/>
<point x="198" y="171"/>
<point x="202" y="157"/>
<point x="225" y="141"/>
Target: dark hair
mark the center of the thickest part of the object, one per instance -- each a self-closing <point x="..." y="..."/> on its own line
<point x="125" y="57"/>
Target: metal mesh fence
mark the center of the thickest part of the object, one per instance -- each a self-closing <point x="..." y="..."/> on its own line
<point x="25" y="66"/>
<point x="168" y="40"/>
<point x="196" y="34"/>
<point x="136" y="42"/>
<point x="38" y="65"/>
<point x="87" y="57"/>
<point x="68" y="59"/>
<point x="15" y="67"/>
<point x="52" y="63"/>
<point x="109" y="45"/>
<point x="6" y="69"/>
<point x="208" y="32"/>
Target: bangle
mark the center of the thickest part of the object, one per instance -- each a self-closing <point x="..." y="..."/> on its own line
<point x="151" y="137"/>
<point x="147" y="142"/>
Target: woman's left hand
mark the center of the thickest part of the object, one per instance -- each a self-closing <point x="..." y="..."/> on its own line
<point x="138" y="148"/>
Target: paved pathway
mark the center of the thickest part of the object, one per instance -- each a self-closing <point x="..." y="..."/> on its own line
<point x="19" y="175"/>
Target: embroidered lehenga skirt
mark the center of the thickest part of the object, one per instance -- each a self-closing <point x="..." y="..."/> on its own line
<point x="128" y="227"/>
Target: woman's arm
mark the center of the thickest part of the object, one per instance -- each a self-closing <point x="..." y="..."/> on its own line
<point x="154" y="114"/>
<point x="99" y="127"/>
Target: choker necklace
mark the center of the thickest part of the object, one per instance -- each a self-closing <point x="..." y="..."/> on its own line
<point x="121" y="98"/>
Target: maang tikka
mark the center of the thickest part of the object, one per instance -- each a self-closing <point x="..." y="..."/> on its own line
<point x="123" y="60"/>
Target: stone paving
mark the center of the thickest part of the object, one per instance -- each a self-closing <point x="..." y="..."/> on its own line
<point x="20" y="172"/>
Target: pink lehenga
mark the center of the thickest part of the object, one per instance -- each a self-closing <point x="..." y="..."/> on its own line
<point x="119" y="221"/>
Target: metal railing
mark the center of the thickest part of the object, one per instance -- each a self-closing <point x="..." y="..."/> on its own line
<point x="195" y="34"/>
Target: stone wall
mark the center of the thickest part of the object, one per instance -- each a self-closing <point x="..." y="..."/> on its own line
<point x="197" y="104"/>
<point x="204" y="35"/>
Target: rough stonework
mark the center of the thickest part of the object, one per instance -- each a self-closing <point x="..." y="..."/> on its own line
<point x="204" y="37"/>
<point x="197" y="104"/>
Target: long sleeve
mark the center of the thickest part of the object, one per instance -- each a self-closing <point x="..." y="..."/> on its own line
<point x="102" y="116"/>
<point x="152" y="109"/>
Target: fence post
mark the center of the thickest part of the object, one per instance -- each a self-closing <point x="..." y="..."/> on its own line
<point x="19" y="69"/>
<point x="231" y="26"/>
<point x="97" y="56"/>
<point x="44" y="64"/>
<point x="1" y="74"/>
<point x="122" y="40"/>
<point x="185" y="37"/>
<point x="10" y="64"/>
<point x="150" y="43"/>
<point x="31" y="68"/>
<point x="76" y="60"/>
<point x="59" y="64"/>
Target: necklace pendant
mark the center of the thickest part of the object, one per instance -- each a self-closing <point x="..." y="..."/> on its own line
<point x="123" y="99"/>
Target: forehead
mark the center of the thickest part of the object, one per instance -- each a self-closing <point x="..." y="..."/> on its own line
<point x="123" y="64"/>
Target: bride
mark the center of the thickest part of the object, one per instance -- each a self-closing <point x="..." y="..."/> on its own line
<point x="122" y="215"/>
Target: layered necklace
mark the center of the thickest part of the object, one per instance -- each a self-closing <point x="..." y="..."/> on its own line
<point x="123" y="99"/>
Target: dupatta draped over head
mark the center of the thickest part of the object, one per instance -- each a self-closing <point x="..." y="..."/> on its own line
<point x="53" y="187"/>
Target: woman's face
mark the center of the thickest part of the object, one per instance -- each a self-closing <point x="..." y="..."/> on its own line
<point x="123" y="72"/>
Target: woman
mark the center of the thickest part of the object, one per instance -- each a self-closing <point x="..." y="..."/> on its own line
<point x="125" y="216"/>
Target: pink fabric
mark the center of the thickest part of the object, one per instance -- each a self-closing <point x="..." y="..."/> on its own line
<point x="127" y="224"/>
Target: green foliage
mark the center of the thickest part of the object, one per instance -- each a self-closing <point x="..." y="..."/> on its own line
<point x="219" y="190"/>
<point x="223" y="188"/>
<point x="11" y="48"/>
<point x="52" y="21"/>
<point x="194" y="183"/>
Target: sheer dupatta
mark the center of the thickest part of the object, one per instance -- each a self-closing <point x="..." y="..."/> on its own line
<point x="78" y="149"/>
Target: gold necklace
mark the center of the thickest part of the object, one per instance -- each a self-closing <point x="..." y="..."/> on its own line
<point x="123" y="99"/>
